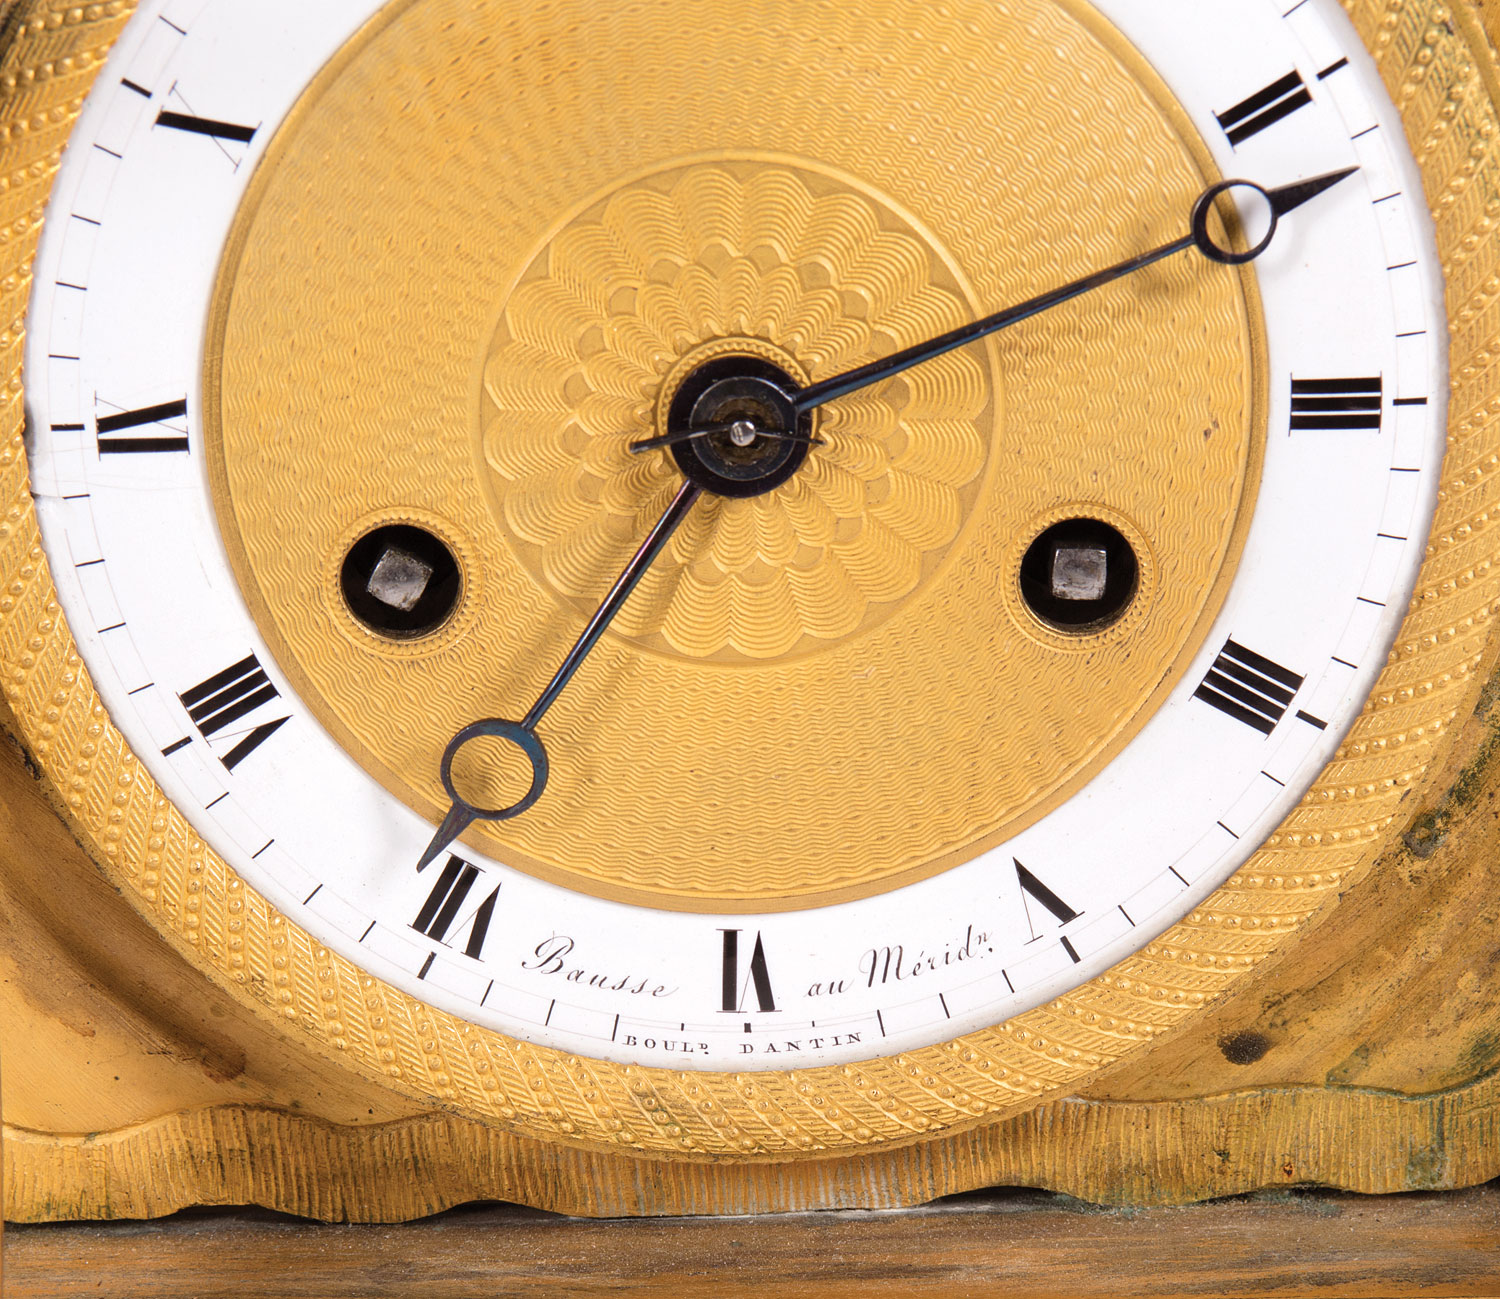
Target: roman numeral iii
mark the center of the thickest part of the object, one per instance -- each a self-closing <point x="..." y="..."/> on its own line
<point x="1264" y="108"/>
<point x="1248" y="687"/>
<point x="226" y="698"/>
<point x="1336" y="403"/>
<point x="445" y="906"/>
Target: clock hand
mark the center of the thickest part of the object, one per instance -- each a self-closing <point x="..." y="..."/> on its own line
<point x="742" y="433"/>
<point x="1285" y="199"/>
<point x="461" y="814"/>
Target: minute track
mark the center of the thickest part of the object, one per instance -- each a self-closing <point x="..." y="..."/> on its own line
<point x="521" y="913"/>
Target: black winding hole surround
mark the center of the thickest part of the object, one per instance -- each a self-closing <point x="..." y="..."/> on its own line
<point x="1080" y="617"/>
<point x="435" y="605"/>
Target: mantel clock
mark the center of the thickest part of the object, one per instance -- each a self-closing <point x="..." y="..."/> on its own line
<point x="647" y="607"/>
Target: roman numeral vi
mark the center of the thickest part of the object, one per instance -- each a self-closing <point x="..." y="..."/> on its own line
<point x="759" y="975"/>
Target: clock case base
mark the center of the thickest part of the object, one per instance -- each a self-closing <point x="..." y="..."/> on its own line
<point x="1364" y="1057"/>
<point x="1367" y="1059"/>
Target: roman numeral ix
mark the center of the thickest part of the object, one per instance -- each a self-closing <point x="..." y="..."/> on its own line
<point x="1336" y="403"/>
<point x="1249" y="687"/>
<point x="1264" y="108"/>
<point x="224" y="699"/>
<point x="733" y="987"/>
<point x="445" y="907"/>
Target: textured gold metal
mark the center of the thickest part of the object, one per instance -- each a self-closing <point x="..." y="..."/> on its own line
<point x="1435" y="62"/>
<point x="863" y="619"/>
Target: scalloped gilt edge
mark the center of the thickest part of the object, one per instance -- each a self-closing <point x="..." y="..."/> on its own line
<point x="1166" y="1152"/>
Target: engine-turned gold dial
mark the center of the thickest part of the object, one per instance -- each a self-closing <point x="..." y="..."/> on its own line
<point x="597" y="239"/>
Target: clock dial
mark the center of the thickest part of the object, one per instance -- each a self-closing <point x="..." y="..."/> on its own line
<point x="345" y="325"/>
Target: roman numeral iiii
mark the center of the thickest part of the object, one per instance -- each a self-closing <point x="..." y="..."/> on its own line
<point x="1248" y="687"/>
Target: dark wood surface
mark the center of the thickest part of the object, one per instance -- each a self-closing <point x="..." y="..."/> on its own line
<point x="1015" y="1244"/>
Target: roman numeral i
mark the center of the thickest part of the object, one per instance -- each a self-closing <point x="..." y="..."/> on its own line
<point x="195" y="125"/>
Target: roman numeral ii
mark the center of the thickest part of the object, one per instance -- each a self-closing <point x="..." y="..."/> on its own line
<point x="1264" y="108"/>
<point x="163" y="437"/>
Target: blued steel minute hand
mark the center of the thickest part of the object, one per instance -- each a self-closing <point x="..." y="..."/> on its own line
<point x="1280" y="201"/>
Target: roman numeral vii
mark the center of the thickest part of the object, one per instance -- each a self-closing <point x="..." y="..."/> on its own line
<point x="445" y="906"/>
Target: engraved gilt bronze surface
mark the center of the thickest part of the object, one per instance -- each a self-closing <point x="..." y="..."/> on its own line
<point x="579" y="271"/>
<point x="360" y="1051"/>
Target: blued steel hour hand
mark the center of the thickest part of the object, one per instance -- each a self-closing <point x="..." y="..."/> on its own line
<point x="462" y="813"/>
<point x="1279" y="201"/>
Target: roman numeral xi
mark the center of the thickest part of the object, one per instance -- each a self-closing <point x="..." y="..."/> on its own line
<point x="224" y="699"/>
<point x="1264" y="108"/>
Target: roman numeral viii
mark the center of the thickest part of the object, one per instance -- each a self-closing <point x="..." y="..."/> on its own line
<point x="445" y="907"/>
<point x="1249" y="687"/>
<point x="1336" y="403"/>
<point x="163" y="436"/>
<point x="1264" y="108"/>
<point x="759" y="975"/>
<point x="224" y="699"/>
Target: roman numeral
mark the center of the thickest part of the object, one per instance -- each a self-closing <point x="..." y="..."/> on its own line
<point x="1249" y="687"/>
<point x="1264" y="108"/>
<point x="734" y="988"/>
<point x="206" y="126"/>
<point x="1039" y="892"/>
<point x="1336" y="403"/>
<point x="109" y="427"/>
<point x="445" y="907"/>
<point x="224" y="699"/>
